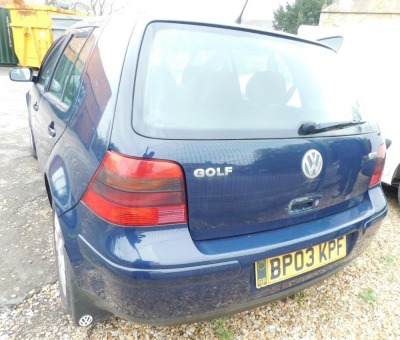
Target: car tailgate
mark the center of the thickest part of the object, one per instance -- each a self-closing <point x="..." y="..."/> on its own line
<point x="246" y="186"/>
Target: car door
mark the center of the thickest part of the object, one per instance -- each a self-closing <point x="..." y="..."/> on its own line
<point x="52" y="99"/>
<point x="38" y="90"/>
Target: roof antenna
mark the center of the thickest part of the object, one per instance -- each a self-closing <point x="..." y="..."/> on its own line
<point x="239" y="19"/>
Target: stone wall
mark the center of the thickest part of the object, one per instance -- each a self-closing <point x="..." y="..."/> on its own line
<point x="352" y="12"/>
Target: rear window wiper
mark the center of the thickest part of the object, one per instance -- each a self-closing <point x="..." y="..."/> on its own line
<point x="310" y="128"/>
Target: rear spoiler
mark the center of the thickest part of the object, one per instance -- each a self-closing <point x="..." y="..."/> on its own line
<point x="334" y="42"/>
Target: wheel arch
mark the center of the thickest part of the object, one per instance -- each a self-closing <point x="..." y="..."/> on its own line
<point x="48" y="191"/>
<point x="396" y="176"/>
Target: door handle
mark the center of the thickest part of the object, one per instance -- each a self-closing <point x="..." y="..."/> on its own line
<point x="36" y="106"/>
<point x="51" y="130"/>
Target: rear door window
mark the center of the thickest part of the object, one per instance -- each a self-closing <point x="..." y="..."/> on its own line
<point x="50" y="61"/>
<point x="65" y="82"/>
<point x="214" y="83"/>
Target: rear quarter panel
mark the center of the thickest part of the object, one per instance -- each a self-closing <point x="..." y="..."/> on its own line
<point x="78" y="153"/>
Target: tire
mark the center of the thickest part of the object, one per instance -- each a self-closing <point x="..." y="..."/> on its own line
<point x="61" y="258"/>
<point x="398" y="194"/>
<point x="73" y="299"/>
<point x="32" y="146"/>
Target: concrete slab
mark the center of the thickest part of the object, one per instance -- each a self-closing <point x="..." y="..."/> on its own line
<point x="26" y="243"/>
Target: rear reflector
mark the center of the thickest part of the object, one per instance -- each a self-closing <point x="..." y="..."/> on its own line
<point x="133" y="191"/>
<point x="379" y="165"/>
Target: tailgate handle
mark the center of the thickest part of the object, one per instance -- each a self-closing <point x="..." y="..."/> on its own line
<point x="304" y="204"/>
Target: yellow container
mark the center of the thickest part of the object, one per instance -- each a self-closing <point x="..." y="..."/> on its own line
<point x="32" y="31"/>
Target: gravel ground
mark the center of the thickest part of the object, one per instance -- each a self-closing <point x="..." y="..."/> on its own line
<point x="362" y="301"/>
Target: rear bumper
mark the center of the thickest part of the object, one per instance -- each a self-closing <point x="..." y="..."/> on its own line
<point x="163" y="277"/>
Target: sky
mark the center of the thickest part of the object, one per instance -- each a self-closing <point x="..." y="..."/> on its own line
<point x="255" y="10"/>
<point x="263" y="9"/>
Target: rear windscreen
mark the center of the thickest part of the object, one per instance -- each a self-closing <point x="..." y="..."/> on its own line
<point x="202" y="82"/>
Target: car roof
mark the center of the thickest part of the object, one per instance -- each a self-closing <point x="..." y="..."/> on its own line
<point x="132" y="17"/>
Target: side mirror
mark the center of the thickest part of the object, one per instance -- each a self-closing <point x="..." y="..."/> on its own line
<point x="21" y="74"/>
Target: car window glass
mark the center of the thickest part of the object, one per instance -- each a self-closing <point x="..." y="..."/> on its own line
<point x="66" y="79"/>
<point x="74" y="79"/>
<point x="206" y="82"/>
<point x="50" y="61"/>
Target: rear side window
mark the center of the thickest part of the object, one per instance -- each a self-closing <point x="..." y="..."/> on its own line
<point x="212" y="83"/>
<point x="65" y="82"/>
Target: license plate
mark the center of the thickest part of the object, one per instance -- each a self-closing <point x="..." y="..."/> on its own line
<point x="283" y="267"/>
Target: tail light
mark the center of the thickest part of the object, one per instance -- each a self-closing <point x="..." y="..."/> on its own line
<point x="379" y="165"/>
<point x="137" y="192"/>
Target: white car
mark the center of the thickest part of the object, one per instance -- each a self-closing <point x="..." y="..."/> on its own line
<point x="371" y="54"/>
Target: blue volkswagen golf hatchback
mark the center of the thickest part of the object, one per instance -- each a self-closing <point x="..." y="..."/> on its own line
<point x="198" y="169"/>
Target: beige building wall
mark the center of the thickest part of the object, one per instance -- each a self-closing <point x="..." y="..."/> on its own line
<point x="344" y="13"/>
